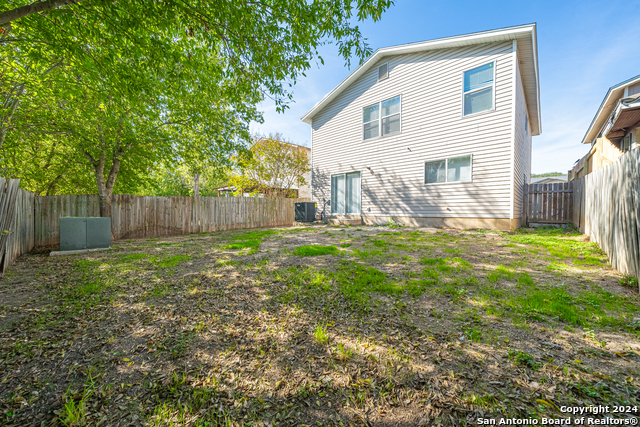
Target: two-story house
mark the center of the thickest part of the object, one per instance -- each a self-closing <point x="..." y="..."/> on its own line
<point x="434" y="133"/>
<point x="614" y="130"/>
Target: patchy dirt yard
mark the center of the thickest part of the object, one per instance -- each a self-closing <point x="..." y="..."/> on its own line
<point x="315" y="326"/>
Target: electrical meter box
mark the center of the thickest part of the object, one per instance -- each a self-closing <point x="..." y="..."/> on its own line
<point x="78" y="233"/>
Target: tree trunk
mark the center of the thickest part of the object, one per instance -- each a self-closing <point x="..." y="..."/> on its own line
<point x="29" y="9"/>
<point x="196" y="185"/>
<point x="105" y="188"/>
<point x="103" y="192"/>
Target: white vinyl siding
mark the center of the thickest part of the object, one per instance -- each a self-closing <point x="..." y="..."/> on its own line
<point x="522" y="148"/>
<point x="432" y="128"/>
<point x="633" y="90"/>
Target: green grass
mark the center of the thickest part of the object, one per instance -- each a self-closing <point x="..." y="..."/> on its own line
<point x="315" y="250"/>
<point x="255" y="235"/>
<point x="90" y="288"/>
<point x="365" y="254"/>
<point x="379" y="243"/>
<point x="244" y="244"/>
<point x="454" y="251"/>
<point x="357" y="281"/>
<point x="629" y="281"/>
<point x="173" y="261"/>
<point x="583" y="309"/>
<point x="525" y="280"/>
<point x="501" y="272"/>
<point x="133" y="257"/>
<point x="249" y="242"/>
<point x="297" y="230"/>
<point x="432" y="261"/>
<point x="344" y="352"/>
<point x="321" y="335"/>
<point x="523" y="359"/>
<point x="561" y="244"/>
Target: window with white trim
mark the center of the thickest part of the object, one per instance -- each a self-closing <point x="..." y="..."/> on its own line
<point x="382" y="118"/>
<point x="478" y="89"/>
<point x="454" y="169"/>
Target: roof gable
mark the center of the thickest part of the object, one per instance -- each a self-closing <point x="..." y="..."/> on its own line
<point x="525" y="35"/>
<point x="606" y="107"/>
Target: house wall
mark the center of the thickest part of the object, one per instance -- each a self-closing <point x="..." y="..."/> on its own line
<point x="304" y="192"/>
<point x="522" y="148"/>
<point x="432" y="128"/>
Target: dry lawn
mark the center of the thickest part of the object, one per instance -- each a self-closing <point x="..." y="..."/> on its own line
<point x="340" y="326"/>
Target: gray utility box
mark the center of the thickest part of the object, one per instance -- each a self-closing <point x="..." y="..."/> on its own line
<point x="77" y="233"/>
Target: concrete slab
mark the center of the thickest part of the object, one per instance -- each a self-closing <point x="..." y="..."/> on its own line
<point x="78" y="251"/>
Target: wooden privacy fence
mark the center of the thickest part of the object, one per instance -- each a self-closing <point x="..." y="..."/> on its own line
<point x="146" y="216"/>
<point x="16" y="221"/>
<point x="27" y="220"/>
<point x="607" y="209"/>
<point x="548" y="203"/>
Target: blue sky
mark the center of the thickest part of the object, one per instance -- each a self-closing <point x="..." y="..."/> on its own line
<point x="584" y="48"/>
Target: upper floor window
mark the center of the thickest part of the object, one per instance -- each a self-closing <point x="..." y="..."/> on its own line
<point x="382" y="118"/>
<point x="479" y="88"/>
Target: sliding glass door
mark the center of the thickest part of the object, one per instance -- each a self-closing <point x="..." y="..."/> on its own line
<point x="345" y="193"/>
<point x="337" y="194"/>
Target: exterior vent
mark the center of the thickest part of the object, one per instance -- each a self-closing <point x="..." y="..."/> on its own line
<point x="383" y="72"/>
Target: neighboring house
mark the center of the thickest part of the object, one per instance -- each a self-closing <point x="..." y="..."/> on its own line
<point x="303" y="191"/>
<point x="614" y="130"/>
<point x="549" y="179"/>
<point x="230" y="191"/>
<point x="434" y="133"/>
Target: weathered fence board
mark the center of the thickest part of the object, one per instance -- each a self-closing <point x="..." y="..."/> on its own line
<point x="607" y="209"/>
<point x="16" y="221"/>
<point x="548" y="203"/>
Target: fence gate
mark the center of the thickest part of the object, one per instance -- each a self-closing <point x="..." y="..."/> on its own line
<point x="548" y="203"/>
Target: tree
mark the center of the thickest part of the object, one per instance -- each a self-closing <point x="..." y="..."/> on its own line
<point x="269" y="42"/>
<point x="45" y="165"/>
<point x="177" y="180"/>
<point x="139" y="78"/>
<point x="272" y="167"/>
<point x="109" y="130"/>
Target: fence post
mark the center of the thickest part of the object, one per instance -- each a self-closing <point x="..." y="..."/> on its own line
<point x="525" y="204"/>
